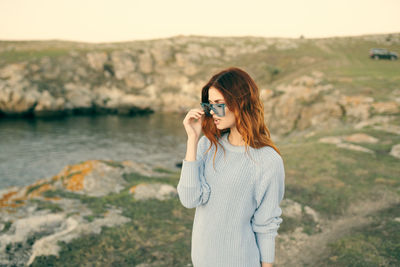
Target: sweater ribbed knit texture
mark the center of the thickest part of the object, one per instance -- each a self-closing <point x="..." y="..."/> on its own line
<point x="237" y="205"/>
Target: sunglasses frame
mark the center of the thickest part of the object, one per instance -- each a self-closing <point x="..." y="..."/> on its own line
<point x="212" y="107"/>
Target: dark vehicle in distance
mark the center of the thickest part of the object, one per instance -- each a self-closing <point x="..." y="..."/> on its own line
<point x="381" y="53"/>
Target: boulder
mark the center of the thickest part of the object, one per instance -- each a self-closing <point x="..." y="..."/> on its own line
<point x="158" y="191"/>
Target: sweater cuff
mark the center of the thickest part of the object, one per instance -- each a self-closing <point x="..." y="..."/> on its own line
<point x="266" y="245"/>
<point x="190" y="173"/>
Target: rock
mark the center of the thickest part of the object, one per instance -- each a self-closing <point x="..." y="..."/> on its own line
<point x="52" y="228"/>
<point x="388" y="128"/>
<point x="97" y="60"/>
<point x="13" y="73"/>
<point x="63" y="219"/>
<point x="146" y="63"/>
<point x="373" y="121"/>
<point x="312" y="213"/>
<point x="291" y="208"/>
<point x="162" y="53"/>
<point x="266" y="94"/>
<point x="16" y="99"/>
<point x="177" y="102"/>
<point x="320" y="115"/>
<point x="155" y="190"/>
<point x="330" y="140"/>
<point x="386" y="107"/>
<point x="357" y="107"/>
<point x="78" y="96"/>
<point x="395" y="151"/>
<point x="360" y="138"/>
<point x="93" y="178"/>
<point x="122" y="63"/>
<point x="135" y="80"/>
<point x="48" y="105"/>
<point x="47" y="246"/>
<point x="355" y="148"/>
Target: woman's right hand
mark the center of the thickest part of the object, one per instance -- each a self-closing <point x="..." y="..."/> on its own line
<point x="193" y="121"/>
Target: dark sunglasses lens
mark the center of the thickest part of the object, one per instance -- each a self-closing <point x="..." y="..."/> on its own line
<point x="206" y="108"/>
<point x="219" y="110"/>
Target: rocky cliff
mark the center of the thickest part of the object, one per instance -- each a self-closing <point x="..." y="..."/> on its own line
<point x="297" y="87"/>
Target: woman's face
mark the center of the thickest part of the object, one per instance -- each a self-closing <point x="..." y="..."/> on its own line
<point x="228" y="121"/>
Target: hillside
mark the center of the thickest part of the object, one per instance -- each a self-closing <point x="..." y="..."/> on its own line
<point x="333" y="112"/>
<point x="298" y="78"/>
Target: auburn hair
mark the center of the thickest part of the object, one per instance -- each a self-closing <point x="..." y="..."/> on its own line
<point x="242" y="97"/>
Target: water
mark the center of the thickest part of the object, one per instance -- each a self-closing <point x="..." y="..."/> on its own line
<point x="32" y="149"/>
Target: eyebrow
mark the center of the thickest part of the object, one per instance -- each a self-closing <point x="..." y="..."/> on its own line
<point x="216" y="100"/>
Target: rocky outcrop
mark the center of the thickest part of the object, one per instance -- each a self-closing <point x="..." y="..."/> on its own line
<point x="154" y="190"/>
<point x="346" y="141"/>
<point x="35" y="218"/>
<point x="167" y="75"/>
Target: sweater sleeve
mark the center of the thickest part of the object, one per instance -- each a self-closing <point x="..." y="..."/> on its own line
<point x="193" y="189"/>
<point x="266" y="219"/>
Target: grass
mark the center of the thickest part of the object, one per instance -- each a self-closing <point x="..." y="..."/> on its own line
<point x="321" y="176"/>
<point x="159" y="231"/>
<point x="328" y="178"/>
<point x="377" y="244"/>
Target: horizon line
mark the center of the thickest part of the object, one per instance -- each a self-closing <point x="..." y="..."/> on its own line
<point x="194" y="35"/>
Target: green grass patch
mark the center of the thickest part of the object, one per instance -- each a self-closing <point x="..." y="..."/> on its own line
<point x="47" y="205"/>
<point x="377" y="244"/>
<point x="328" y="178"/>
<point x="159" y="231"/>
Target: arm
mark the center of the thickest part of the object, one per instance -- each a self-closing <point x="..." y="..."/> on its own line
<point x="192" y="188"/>
<point x="266" y="218"/>
<point x="266" y="264"/>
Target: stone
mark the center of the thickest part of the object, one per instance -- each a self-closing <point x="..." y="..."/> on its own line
<point x="135" y="80"/>
<point x="47" y="104"/>
<point x="162" y="53"/>
<point x="291" y="208"/>
<point x="395" y="151"/>
<point x="320" y="115"/>
<point x="386" y="107"/>
<point x="361" y="138"/>
<point x="123" y="64"/>
<point x="330" y="140"/>
<point x="78" y="96"/>
<point x="312" y="213"/>
<point x="154" y="190"/>
<point x="93" y="178"/>
<point x="395" y="129"/>
<point x="146" y="63"/>
<point x="355" y="148"/>
<point x="97" y="60"/>
<point x="357" y="107"/>
<point x="373" y="121"/>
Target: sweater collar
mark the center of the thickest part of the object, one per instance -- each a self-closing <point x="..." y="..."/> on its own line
<point x="229" y="146"/>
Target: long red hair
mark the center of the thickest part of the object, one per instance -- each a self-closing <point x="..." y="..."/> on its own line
<point x="242" y="97"/>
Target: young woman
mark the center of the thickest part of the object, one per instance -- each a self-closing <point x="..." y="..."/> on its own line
<point x="233" y="175"/>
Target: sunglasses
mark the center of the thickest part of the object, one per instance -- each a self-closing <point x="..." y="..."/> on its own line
<point x="219" y="109"/>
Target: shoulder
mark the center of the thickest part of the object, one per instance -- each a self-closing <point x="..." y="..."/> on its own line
<point x="272" y="163"/>
<point x="203" y="141"/>
<point x="270" y="156"/>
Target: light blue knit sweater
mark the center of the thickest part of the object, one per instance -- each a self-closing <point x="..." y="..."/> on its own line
<point x="237" y="206"/>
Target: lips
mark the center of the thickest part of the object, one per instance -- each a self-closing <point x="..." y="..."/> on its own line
<point x="216" y="121"/>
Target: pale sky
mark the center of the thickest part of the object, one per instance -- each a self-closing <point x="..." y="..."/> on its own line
<point x="124" y="20"/>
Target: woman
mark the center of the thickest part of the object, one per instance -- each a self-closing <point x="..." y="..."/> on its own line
<point x="236" y="197"/>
